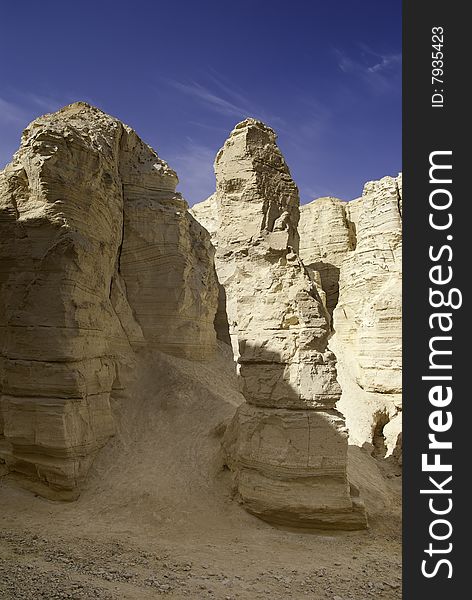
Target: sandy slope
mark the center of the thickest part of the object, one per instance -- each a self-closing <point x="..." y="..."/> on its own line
<point x="157" y="518"/>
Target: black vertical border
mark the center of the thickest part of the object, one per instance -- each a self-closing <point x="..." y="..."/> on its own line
<point x="426" y="129"/>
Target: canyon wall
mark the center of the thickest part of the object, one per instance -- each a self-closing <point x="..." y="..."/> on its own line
<point x="98" y="256"/>
<point x="356" y="247"/>
<point x="100" y="259"/>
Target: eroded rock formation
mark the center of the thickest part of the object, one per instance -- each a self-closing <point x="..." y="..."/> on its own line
<point x="357" y="248"/>
<point x="287" y="445"/>
<point x="100" y="258"/>
<point x="98" y="255"/>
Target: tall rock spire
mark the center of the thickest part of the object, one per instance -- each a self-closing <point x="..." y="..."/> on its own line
<point x="287" y="445"/>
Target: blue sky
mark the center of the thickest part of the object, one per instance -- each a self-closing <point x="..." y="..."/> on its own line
<point x="326" y="75"/>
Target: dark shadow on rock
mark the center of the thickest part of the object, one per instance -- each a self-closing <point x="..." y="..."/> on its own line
<point x="352" y="234"/>
<point x="289" y="459"/>
<point x="221" y="317"/>
<point x="329" y="275"/>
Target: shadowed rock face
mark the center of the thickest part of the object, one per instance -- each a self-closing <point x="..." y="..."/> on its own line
<point x="326" y="236"/>
<point x="357" y="249"/>
<point x="287" y="445"/>
<point x="98" y="255"/>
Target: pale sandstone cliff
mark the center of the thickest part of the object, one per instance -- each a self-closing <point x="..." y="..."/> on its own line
<point x="326" y="234"/>
<point x="287" y="444"/>
<point x="99" y="259"/>
<point x="98" y="255"/>
<point x="357" y="248"/>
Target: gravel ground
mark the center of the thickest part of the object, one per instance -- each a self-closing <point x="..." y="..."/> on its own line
<point x="35" y="566"/>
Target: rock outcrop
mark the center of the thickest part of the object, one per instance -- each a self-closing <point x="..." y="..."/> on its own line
<point x="357" y="249"/>
<point x="287" y="444"/>
<point x="98" y="256"/>
<point x="100" y="259"/>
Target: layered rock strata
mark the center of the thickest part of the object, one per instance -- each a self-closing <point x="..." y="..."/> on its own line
<point x="287" y="444"/>
<point x="326" y="235"/>
<point x="357" y="248"/>
<point x="98" y="255"/>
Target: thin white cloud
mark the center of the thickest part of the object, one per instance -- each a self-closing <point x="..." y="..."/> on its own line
<point x="229" y="89"/>
<point x="380" y="71"/>
<point x="386" y="62"/>
<point x="219" y="96"/>
<point x="383" y="61"/>
<point x="210" y="99"/>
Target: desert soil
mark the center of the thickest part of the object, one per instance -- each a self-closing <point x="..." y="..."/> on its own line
<point x="156" y="518"/>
